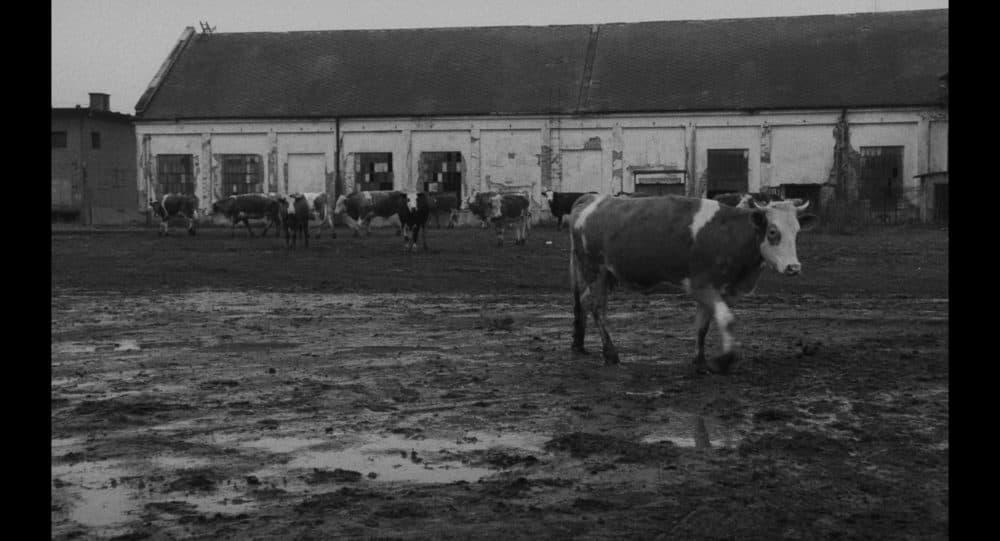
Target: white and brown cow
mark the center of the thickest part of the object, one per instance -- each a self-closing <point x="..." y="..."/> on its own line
<point x="502" y="210"/>
<point x="561" y="204"/>
<point x="295" y="215"/>
<point x="444" y="203"/>
<point x="321" y="211"/>
<point x="713" y="252"/>
<point x="413" y="215"/>
<point x="252" y="206"/>
<point x="175" y="204"/>
<point x="358" y="209"/>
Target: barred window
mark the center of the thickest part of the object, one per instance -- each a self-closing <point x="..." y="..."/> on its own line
<point x="175" y="173"/>
<point x="241" y="173"/>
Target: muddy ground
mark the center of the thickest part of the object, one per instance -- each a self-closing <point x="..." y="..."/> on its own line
<point x="216" y="387"/>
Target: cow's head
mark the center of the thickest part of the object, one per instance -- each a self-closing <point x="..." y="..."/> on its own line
<point x="780" y="223"/>
<point x="340" y="206"/>
<point x="157" y="208"/>
<point x="411" y="201"/>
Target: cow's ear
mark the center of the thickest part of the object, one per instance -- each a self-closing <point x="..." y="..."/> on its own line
<point x="759" y="219"/>
<point x="808" y="221"/>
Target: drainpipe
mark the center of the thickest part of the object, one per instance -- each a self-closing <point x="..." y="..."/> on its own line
<point x="336" y="163"/>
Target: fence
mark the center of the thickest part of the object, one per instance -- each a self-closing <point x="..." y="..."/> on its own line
<point x="846" y="216"/>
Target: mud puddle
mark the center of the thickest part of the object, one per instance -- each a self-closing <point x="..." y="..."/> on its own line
<point x="116" y="346"/>
<point x="698" y="431"/>
<point x="398" y="458"/>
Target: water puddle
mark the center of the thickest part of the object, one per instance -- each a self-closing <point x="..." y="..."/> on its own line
<point x="697" y="431"/>
<point x="106" y="495"/>
<point x="396" y="458"/>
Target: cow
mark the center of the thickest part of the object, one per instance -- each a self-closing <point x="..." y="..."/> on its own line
<point x="744" y="199"/>
<point x="444" y="202"/>
<point x="174" y="204"/>
<point x="713" y="252"/>
<point x="319" y="209"/>
<point x="500" y="210"/>
<point x="413" y="215"/>
<point x="561" y="203"/>
<point x="244" y="207"/>
<point x="634" y="194"/>
<point x="295" y="216"/>
<point x="359" y="208"/>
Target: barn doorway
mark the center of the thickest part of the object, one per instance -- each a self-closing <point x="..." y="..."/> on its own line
<point x="305" y="173"/>
<point x="881" y="179"/>
<point x="373" y="171"/>
<point x="728" y="171"/>
<point x="941" y="203"/>
<point x="441" y="172"/>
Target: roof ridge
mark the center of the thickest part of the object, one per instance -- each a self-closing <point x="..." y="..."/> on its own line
<point x="573" y="25"/>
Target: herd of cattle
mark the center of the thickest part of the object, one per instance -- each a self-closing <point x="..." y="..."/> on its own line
<point x="712" y="249"/>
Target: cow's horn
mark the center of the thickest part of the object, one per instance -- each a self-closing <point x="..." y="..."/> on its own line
<point x="758" y="205"/>
<point x="802" y="207"/>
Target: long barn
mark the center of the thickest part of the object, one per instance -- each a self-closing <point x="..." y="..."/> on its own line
<point x="826" y="107"/>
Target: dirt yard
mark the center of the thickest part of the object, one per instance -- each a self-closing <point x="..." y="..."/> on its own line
<point x="213" y="387"/>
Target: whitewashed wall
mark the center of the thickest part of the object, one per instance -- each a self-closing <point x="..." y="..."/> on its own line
<point x="506" y="153"/>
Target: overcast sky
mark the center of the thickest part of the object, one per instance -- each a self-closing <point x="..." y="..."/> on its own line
<point x="116" y="46"/>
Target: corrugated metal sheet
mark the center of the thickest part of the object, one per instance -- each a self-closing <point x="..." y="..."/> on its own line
<point x="813" y="61"/>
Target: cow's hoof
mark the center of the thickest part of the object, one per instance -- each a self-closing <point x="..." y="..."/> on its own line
<point x="579" y="349"/>
<point x="159" y="233"/>
<point x="722" y="363"/>
<point x="191" y="232"/>
<point x="611" y="358"/>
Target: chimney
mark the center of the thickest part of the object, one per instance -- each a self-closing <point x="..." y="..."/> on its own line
<point x="100" y="102"/>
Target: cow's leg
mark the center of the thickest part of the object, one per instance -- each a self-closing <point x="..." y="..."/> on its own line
<point x="232" y="232"/>
<point x="499" y="229"/>
<point x="712" y="302"/>
<point x="579" y="314"/>
<point x="598" y="308"/>
<point x="702" y="319"/>
<point x="246" y="222"/>
<point x="305" y="233"/>
<point x="190" y="220"/>
<point x="424" y="228"/>
<point x="163" y="227"/>
<point x="453" y="219"/>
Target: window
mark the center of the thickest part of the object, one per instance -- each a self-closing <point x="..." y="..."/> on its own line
<point x="881" y="178"/>
<point x="728" y="171"/>
<point x="95" y="139"/>
<point x="241" y="173"/>
<point x="441" y="172"/>
<point x="373" y="171"/>
<point x="175" y="173"/>
<point x="58" y="139"/>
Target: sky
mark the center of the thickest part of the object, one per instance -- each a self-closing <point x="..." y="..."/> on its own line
<point x="117" y="46"/>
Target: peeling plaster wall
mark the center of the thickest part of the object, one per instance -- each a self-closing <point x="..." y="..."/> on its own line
<point x="939" y="145"/>
<point x="663" y="146"/>
<point x="566" y="153"/>
<point x="801" y="154"/>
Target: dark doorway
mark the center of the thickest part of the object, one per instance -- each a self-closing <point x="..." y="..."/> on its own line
<point x="805" y="192"/>
<point x="441" y="172"/>
<point x="373" y="171"/>
<point x="881" y="179"/>
<point x="941" y="203"/>
<point x="728" y="171"/>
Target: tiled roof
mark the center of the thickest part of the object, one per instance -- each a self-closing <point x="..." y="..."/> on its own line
<point x="890" y="59"/>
